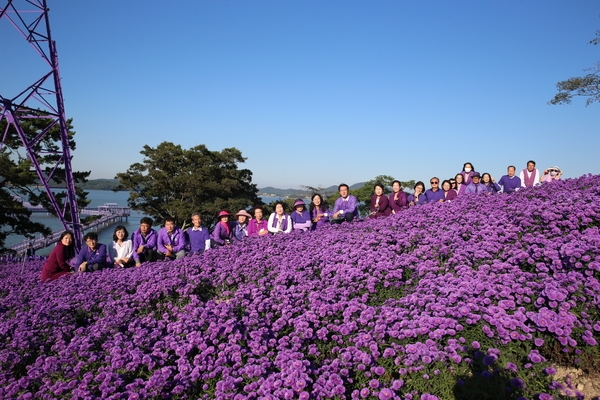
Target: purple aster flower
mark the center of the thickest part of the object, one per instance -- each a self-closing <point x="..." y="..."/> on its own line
<point x="517" y="383"/>
<point x="489" y="360"/>
<point x="374" y="383"/>
<point x="511" y="367"/>
<point x="550" y="371"/>
<point x="365" y="392"/>
<point x="386" y="394"/>
<point x="538" y="342"/>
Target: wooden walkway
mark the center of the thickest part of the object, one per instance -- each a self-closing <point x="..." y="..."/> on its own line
<point x="110" y="213"/>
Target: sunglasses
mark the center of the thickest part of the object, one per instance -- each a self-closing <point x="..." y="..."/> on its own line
<point x="434" y="182"/>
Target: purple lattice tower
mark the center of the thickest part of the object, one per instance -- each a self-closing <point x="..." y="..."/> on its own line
<point x="41" y="100"/>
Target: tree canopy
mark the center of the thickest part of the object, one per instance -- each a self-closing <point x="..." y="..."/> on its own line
<point x="18" y="179"/>
<point x="175" y="182"/>
<point x="581" y="86"/>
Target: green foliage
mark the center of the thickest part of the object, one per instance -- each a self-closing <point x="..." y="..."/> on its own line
<point x="19" y="179"/>
<point x="176" y="182"/>
<point x="583" y="86"/>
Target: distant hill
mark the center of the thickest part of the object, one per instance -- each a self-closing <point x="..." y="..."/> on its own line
<point x="276" y="192"/>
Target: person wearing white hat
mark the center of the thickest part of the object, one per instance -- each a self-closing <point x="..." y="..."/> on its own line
<point x="551" y="174"/>
<point x="240" y="227"/>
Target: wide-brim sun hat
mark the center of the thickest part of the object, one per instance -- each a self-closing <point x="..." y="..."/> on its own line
<point x="299" y="202"/>
<point x="555" y="168"/>
<point x="243" y="213"/>
<point x="223" y="213"/>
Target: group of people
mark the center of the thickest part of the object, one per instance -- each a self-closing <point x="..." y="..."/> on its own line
<point x="171" y="242"/>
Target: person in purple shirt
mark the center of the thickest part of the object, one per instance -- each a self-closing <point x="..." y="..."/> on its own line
<point x="435" y="194"/>
<point x="319" y="212"/>
<point x="449" y="193"/>
<point x="488" y="181"/>
<point x="418" y="197"/>
<point x="258" y="226"/>
<point x="467" y="173"/>
<point x="475" y="186"/>
<point x="171" y="241"/>
<point x="300" y="217"/>
<point x="93" y="256"/>
<point x="380" y="204"/>
<point x="510" y="182"/>
<point x="221" y="234"/>
<point x="240" y="226"/>
<point x="397" y="199"/>
<point x="345" y="207"/>
<point x="460" y="184"/>
<point x="197" y="237"/>
<point x="144" y="242"/>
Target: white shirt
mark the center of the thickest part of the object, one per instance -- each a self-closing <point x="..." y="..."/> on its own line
<point x="117" y="251"/>
<point x="536" y="177"/>
<point x="272" y="229"/>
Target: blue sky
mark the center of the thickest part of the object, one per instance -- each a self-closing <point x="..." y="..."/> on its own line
<point x="322" y="92"/>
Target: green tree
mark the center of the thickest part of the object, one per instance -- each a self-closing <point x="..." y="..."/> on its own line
<point x="363" y="194"/>
<point x="19" y="180"/>
<point x="581" y="86"/>
<point x="172" y="181"/>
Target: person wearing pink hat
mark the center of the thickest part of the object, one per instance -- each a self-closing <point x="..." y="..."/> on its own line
<point x="221" y="234"/>
<point x="258" y="226"/>
<point x="240" y="227"/>
<point x="300" y="217"/>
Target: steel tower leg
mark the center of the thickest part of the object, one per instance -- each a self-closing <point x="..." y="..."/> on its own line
<point x="42" y="100"/>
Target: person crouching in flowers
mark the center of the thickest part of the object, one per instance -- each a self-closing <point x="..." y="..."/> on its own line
<point x="449" y="193"/>
<point x="397" y="199"/>
<point x="300" y="217"/>
<point x="92" y="257"/>
<point x="240" y="226"/>
<point x="551" y="174"/>
<point x="258" y="226"/>
<point x="319" y="212"/>
<point x="57" y="263"/>
<point x="171" y="241"/>
<point x="121" y="251"/>
<point x="279" y="221"/>
<point x="380" y="205"/>
<point x="221" y="234"/>
<point x="418" y="196"/>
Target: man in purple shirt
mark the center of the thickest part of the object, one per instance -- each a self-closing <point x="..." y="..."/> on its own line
<point x="346" y="207"/>
<point x="476" y="186"/>
<point x="510" y="183"/>
<point x="92" y="256"/>
<point x="171" y="241"/>
<point x="435" y="194"/>
<point x="144" y="242"/>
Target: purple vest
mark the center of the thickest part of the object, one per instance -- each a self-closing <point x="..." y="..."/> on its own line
<point x="283" y="223"/>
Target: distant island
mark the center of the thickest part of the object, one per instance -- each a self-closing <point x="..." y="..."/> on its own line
<point x="269" y="191"/>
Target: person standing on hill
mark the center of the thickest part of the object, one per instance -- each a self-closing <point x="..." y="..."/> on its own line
<point x="435" y="194"/>
<point x="475" y="186"/>
<point x="144" y="242"/>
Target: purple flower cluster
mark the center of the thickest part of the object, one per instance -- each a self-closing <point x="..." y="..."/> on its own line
<point x="378" y="309"/>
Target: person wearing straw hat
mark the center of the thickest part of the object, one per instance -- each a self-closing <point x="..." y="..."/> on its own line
<point x="300" y="217"/>
<point x="240" y="227"/>
<point x="551" y="174"/>
<point x="221" y="234"/>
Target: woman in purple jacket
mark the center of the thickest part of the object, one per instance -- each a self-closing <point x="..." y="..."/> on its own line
<point x="467" y="172"/>
<point x="397" y="199"/>
<point x="300" y="216"/>
<point x="449" y="193"/>
<point x="461" y="187"/>
<point x="380" y="205"/>
<point x="221" y="234"/>
<point x="319" y="212"/>
<point x="419" y="196"/>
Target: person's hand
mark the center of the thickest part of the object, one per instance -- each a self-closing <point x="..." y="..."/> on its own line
<point x="168" y="253"/>
<point x="137" y="264"/>
<point x="335" y="216"/>
<point x="140" y="249"/>
<point x="263" y="231"/>
<point x="493" y="180"/>
<point x="82" y="266"/>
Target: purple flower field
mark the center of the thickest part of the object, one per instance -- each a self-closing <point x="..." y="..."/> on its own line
<point x="481" y="298"/>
